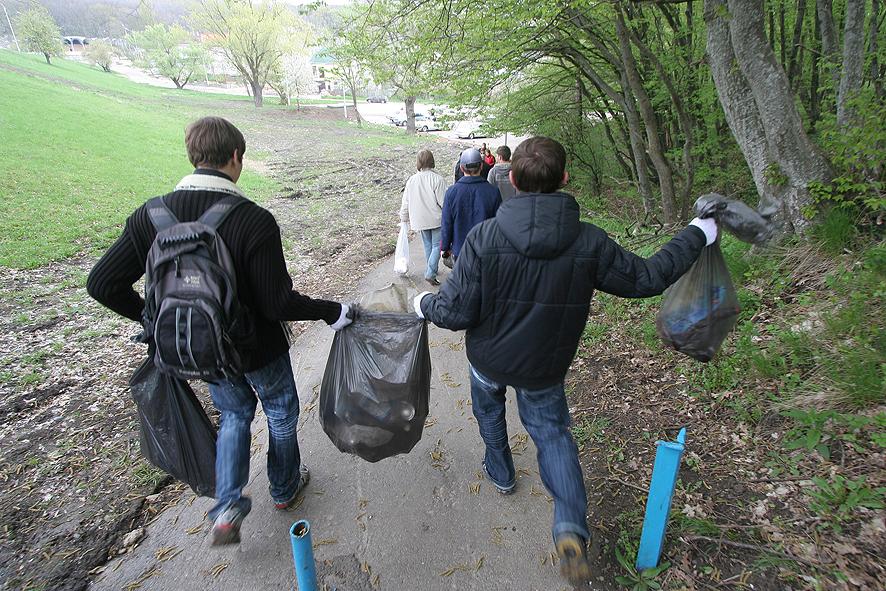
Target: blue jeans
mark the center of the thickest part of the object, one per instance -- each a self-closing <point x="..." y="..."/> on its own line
<point x="431" y="241"/>
<point x="545" y="415"/>
<point x="236" y="400"/>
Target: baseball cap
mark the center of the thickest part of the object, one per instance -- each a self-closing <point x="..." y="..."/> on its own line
<point x="470" y="156"/>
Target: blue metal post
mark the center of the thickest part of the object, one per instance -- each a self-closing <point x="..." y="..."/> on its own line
<point x="303" y="555"/>
<point x="658" y="504"/>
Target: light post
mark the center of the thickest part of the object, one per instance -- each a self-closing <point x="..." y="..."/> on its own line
<point x="11" y="30"/>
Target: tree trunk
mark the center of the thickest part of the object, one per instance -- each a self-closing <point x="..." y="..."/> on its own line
<point x="794" y="68"/>
<point x="256" y="87"/>
<point x="638" y="149"/>
<point x="410" y="115"/>
<point x="741" y="110"/>
<point x="825" y="12"/>
<point x="656" y="153"/>
<point x="853" y="59"/>
<point x="782" y="33"/>
<point x="814" y="74"/>
<point x="874" y="72"/>
<point x="353" y="88"/>
<point x="47" y="56"/>
<point x="799" y="160"/>
<point x="685" y="122"/>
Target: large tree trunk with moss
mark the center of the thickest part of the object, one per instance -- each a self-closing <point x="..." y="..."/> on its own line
<point x="741" y="112"/>
<point x="794" y="161"/>
<point x="853" y="59"/>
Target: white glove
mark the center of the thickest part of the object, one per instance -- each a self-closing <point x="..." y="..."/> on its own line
<point x="343" y="319"/>
<point x="708" y="226"/>
<point x="416" y="303"/>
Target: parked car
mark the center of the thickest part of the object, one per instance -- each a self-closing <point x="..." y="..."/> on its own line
<point x="470" y="130"/>
<point x="398" y="119"/>
<point x="376" y="99"/>
<point x="426" y="123"/>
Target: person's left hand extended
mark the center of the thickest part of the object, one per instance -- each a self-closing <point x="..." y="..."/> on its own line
<point x="416" y="303"/>
<point x="345" y="318"/>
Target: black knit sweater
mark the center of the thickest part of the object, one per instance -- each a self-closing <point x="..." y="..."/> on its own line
<point x="253" y="238"/>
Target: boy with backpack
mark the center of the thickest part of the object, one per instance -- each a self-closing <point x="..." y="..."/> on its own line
<point x="217" y="296"/>
<point x="521" y="288"/>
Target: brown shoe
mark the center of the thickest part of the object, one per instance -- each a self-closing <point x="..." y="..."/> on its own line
<point x="573" y="553"/>
<point x="433" y="281"/>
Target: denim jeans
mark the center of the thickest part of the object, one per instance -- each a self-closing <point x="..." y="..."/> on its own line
<point x="545" y="415"/>
<point x="431" y="241"/>
<point x="236" y="400"/>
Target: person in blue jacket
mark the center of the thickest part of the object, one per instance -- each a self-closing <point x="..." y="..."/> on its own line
<point x="468" y="202"/>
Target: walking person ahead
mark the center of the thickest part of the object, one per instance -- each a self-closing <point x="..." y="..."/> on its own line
<point x="500" y="175"/>
<point x="522" y="289"/>
<point x="264" y="288"/>
<point x="467" y="203"/>
<point x="422" y="207"/>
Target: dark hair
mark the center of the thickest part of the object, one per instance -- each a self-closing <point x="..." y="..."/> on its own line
<point x="538" y="165"/>
<point x="211" y="141"/>
<point x="425" y="160"/>
<point x="504" y="152"/>
<point x="473" y="168"/>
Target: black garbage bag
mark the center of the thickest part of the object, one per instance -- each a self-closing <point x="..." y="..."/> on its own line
<point x="701" y="308"/>
<point x="374" y="395"/>
<point x="736" y="217"/>
<point x="176" y="434"/>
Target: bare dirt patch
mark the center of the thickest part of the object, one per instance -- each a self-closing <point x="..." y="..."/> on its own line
<point x="73" y="481"/>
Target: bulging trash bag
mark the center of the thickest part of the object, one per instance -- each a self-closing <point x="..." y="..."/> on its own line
<point x="176" y="434"/>
<point x="736" y="217"/>
<point x="401" y="254"/>
<point x="374" y="396"/>
<point x="700" y="309"/>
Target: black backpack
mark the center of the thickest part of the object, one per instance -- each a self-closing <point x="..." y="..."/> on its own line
<point x="192" y="312"/>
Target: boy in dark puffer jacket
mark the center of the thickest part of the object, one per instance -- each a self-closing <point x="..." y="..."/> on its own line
<point x="521" y="288"/>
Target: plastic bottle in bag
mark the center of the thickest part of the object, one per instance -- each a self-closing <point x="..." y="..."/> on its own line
<point x="401" y="254"/>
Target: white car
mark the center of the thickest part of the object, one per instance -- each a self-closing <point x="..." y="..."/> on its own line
<point x="469" y="130"/>
<point x="426" y="123"/>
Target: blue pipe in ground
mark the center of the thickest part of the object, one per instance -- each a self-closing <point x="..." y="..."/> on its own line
<point x="658" y="504"/>
<point x="303" y="555"/>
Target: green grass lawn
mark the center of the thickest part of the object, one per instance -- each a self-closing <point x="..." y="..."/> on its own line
<point x="76" y="163"/>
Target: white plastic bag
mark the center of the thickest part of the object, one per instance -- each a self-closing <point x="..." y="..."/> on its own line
<point x="401" y="255"/>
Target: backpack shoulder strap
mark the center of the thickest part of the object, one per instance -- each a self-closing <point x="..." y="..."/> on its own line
<point x="161" y="216"/>
<point x="215" y="216"/>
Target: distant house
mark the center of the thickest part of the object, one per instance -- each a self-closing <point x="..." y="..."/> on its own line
<point x="323" y="72"/>
<point x="75" y="44"/>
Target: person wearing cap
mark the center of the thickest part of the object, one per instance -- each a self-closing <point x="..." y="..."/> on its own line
<point x="468" y="202"/>
<point x="521" y="290"/>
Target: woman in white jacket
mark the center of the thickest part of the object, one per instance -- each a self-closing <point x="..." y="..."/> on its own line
<point x="422" y="208"/>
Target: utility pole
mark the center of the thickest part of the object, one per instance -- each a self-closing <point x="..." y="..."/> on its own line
<point x="11" y="30"/>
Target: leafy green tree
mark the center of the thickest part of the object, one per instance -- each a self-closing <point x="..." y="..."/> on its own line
<point x="253" y="35"/>
<point x="170" y="52"/>
<point x="38" y="30"/>
<point x="100" y="53"/>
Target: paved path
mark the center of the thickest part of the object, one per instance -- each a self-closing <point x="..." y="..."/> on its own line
<point x="412" y="525"/>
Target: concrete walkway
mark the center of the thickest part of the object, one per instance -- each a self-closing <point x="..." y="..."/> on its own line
<point x="400" y="524"/>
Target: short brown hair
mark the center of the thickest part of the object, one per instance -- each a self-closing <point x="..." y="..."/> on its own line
<point x="425" y="160"/>
<point x="211" y="141"/>
<point x="538" y="165"/>
<point x="504" y="152"/>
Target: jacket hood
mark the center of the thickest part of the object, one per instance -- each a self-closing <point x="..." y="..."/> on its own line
<point x="540" y="226"/>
